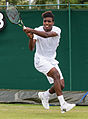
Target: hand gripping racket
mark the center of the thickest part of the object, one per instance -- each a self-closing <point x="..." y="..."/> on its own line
<point x="14" y="16"/>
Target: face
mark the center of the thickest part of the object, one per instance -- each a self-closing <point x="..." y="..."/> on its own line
<point x="48" y="23"/>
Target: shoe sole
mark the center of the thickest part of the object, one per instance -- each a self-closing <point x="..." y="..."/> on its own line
<point x="66" y="110"/>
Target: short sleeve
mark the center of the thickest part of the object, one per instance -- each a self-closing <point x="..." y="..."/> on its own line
<point x="35" y="36"/>
<point x="57" y="30"/>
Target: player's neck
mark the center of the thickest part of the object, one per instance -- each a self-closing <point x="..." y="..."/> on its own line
<point x="47" y="30"/>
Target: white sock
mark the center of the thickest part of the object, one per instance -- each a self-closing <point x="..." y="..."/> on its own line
<point x="46" y="93"/>
<point x="61" y="99"/>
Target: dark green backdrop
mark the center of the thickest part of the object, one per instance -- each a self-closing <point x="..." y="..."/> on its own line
<point x="16" y="60"/>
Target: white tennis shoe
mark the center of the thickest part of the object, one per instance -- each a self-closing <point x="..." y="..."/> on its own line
<point x="44" y="100"/>
<point x="67" y="107"/>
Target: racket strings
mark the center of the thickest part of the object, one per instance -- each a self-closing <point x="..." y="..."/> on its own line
<point x="13" y="14"/>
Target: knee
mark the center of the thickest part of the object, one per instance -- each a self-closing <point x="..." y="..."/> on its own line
<point x="56" y="75"/>
<point x="53" y="73"/>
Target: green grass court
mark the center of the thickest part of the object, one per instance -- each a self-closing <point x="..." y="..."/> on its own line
<point x="27" y="111"/>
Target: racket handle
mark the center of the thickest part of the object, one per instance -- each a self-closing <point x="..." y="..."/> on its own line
<point x="24" y="27"/>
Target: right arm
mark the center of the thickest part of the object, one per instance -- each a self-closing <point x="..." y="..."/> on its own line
<point x="41" y="33"/>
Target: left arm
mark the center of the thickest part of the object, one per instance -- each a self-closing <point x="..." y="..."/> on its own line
<point x="41" y="33"/>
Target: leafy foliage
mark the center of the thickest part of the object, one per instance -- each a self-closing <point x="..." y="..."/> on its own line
<point x="39" y="2"/>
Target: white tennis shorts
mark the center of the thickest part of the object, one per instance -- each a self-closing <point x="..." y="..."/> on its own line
<point x="44" y="65"/>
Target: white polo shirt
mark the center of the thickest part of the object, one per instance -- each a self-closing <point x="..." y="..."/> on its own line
<point x="46" y="47"/>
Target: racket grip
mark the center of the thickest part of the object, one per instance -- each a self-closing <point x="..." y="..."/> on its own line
<point x="24" y="27"/>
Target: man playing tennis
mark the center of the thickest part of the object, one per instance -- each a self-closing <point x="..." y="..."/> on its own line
<point x="47" y="38"/>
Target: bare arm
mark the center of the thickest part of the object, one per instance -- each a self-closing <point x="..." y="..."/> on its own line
<point x="41" y="33"/>
<point x="32" y="44"/>
<point x="31" y="41"/>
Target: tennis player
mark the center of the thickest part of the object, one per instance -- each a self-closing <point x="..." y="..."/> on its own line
<point x="47" y="38"/>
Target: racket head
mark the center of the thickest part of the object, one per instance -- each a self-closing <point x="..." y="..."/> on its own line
<point x="13" y="14"/>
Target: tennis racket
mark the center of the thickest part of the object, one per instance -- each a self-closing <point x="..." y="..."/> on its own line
<point x="14" y="16"/>
<point x="83" y="99"/>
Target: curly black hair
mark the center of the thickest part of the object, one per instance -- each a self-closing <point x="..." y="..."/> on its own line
<point x="48" y="14"/>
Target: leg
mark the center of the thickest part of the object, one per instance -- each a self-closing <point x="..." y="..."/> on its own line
<point x="62" y="84"/>
<point x="52" y="90"/>
<point x="44" y="96"/>
<point x="57" y="83"/>
<point x="57" y="88"/>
